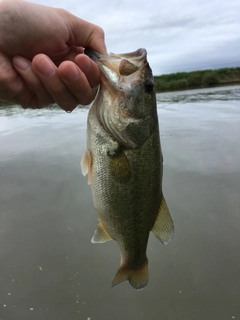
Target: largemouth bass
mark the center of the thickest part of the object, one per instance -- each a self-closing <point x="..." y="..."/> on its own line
<point x="123" y="161"/>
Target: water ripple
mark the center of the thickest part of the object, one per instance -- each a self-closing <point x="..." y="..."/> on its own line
<point x="198" y="95"/>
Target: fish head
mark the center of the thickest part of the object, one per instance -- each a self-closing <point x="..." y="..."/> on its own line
<point x="126" y="99"/>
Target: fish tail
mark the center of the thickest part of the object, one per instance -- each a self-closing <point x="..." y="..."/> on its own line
<point x="137" y="277"/>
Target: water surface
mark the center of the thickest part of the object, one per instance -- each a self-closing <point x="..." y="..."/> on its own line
<point x="50" y="269"/>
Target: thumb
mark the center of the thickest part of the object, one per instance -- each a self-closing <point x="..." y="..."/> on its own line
<point x="84" y="34"/>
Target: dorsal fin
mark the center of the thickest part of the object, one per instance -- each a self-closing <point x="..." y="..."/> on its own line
<point x="163" y="227"/>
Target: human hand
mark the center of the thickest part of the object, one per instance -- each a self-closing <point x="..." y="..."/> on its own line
<point x="41" y="56"/>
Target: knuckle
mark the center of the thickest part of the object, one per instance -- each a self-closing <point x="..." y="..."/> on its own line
<point x="100" y="32"/>
<point x="61" y="12"/>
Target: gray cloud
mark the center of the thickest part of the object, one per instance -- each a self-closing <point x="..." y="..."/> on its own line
<point x="179" y="35"/>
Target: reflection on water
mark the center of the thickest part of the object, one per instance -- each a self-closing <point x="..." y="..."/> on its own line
<point x="49" y="267"/>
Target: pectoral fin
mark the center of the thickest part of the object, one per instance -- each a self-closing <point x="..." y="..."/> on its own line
<point x="163" y="227"/>
<point x="100" y="235"/>
<point x="86" y="165"/>
<point x="119" y="166"/>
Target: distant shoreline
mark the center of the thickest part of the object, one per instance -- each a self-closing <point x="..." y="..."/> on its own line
<point x="197" y="79"/>
<point x="220" y="84"/>
<point x="190" y="80"/>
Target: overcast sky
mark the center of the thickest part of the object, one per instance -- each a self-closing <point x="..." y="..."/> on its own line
<point x="179" y="35"/>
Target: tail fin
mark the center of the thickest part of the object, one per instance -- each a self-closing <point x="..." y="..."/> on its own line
<point x="137" y="277"/>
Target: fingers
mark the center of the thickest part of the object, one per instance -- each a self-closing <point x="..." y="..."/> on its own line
<point x="89" y="68"/>
<point x="77" y="82"/>
<point x="47" y="72"/>
<point x="68" y="85"/>
<point x="12" y="86"/>
<point x="40" y="96"/>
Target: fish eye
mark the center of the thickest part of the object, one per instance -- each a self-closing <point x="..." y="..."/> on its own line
<point x="149" y="85"/>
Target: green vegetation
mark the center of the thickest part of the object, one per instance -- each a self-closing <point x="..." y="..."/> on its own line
<point x="196" y="79"/>
<point x="189" y="80"/>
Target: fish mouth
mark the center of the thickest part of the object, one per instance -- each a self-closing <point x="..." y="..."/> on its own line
<point x="121" y="69"/>
<point x="121" y="109"/>
<point x="136" y="56"/>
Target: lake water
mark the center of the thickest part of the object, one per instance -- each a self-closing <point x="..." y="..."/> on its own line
<point x="50" y="270"/>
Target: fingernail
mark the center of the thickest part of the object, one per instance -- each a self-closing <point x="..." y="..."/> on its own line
<point x="72" y="74"/>
<point x="45" y="66"/>
<point x="21" y="63"/>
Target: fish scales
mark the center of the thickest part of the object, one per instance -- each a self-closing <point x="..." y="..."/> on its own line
<point x="124" y="163"/>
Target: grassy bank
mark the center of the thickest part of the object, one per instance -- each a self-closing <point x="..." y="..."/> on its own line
<point x="196" y="79"/>
<point x="190" y="80"/>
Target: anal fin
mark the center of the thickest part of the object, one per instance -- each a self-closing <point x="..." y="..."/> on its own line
<point x="163" y="227"/>
<point x="100" y="235"/>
